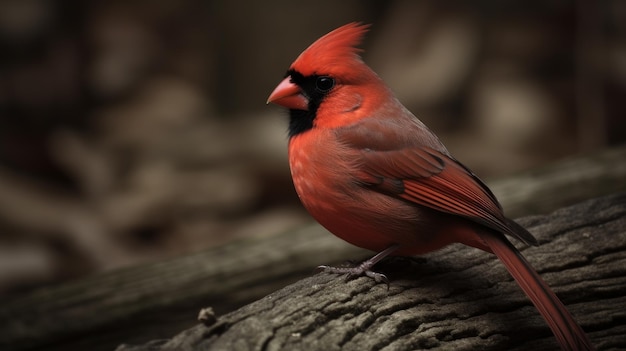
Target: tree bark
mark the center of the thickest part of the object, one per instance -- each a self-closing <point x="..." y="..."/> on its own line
<point x="458" y="298"/>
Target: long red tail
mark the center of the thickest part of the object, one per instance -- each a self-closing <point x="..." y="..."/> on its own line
<point x="565" y="328"/>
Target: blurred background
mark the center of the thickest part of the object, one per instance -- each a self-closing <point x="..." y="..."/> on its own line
<point x="135" y="131"/>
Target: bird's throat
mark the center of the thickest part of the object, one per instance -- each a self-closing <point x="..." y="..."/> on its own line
<point x="300" y="121"/>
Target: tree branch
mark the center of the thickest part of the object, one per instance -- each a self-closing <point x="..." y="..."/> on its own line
<point x="456" y="299"/>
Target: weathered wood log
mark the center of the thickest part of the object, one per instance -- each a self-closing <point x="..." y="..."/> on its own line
<point x="157" y="300"/>
<point x="456" y="299"/>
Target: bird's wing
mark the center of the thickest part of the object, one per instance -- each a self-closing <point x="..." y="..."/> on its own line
<point x="431" y="178"/>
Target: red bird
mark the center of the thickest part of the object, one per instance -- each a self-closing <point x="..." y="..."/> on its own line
<point x="374" y="175"/>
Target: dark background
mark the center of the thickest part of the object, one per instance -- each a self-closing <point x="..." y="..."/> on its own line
<point x="134" y="131"/>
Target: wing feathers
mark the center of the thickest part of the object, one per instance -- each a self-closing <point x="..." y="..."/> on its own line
<point x="433" y="179"/>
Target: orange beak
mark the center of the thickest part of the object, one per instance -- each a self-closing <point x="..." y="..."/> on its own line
<point x="289" y="95"/>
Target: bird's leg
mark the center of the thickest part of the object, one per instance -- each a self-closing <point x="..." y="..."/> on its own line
<point x="364" y="267"/>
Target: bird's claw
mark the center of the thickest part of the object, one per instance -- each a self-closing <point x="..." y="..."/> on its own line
<point x="364" y="268"/>
<point x="353" y="272"/>
<point x="378" y="277"/>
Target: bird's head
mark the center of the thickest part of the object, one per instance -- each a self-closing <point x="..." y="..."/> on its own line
<point x="329" y="79"/>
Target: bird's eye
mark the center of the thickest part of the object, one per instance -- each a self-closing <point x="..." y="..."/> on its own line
<point x="324" y="83"/>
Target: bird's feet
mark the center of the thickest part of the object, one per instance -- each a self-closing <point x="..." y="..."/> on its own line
<point x="353" y="272"/>
<point x="364" y="268"/>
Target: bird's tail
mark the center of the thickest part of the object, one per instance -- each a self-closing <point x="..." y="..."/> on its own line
<point x="565" y="328"/>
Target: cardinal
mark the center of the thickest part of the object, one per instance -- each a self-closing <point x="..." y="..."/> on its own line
<point x="374" y="175"/>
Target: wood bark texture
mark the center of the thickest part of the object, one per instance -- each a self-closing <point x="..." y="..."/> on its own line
<point x="458" y="298"/>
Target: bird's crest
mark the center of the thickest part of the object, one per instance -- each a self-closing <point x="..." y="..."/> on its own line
<point x="332" y="52"/>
